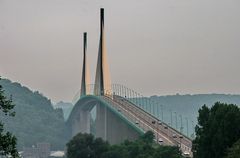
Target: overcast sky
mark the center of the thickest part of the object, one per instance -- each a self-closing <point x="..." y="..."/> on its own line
<point x="154" y="46"/>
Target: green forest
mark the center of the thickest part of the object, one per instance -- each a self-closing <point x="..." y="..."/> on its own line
<point x="36" y="120"/>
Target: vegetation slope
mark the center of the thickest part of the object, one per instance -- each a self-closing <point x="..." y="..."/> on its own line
<point x="36" y="120"/>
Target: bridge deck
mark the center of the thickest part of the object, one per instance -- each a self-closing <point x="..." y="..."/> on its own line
<point x="164" y="134"/>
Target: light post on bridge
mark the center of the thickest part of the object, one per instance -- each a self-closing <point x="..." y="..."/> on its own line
<point x="115" y="89"/>
<point x="119" y="90"/>
<point x="125" y="94"/>
<point x="157" y="131"/>
<point x="154" y="107"/>
<point x="132" y="96"/>
<point x="142" y="103"/>
<point x="147" y="103"/>
<point x="150" y="106"/>
<point x="181" y="128"/>
<point x="193" y="130"/>
<point x="158" y="112"/>
<point x="135" y="97"/>
<point x="139" y="100"/>
<point x="122" y="91"/>
<point x="145" y="100"/>
<point x="176" y="120"/>
<point x="129" y="94"/>
<point x="162" y="111"/>
<point x="187" y="125"/>
<point x="112" y="87"/>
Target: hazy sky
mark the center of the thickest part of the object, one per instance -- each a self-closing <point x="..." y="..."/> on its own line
<point x="154" y="46"/>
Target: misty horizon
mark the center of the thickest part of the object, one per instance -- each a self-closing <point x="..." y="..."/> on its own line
<point x="155" y="48"/>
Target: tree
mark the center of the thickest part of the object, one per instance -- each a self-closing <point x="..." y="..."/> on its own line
<point x="148" y="137"/>
<point x="116" y="151"/>
<point x="100" y="146"/>
<point x="234" y="151"/>
<point x="85" y="146"/>
<point x="218" y="128"/>
<point x="167" y="151"/>
<point x="7" y="140"/>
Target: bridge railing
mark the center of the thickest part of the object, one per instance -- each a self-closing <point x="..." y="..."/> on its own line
<point x="149" y="105"/>
<point x="145" y="122"/>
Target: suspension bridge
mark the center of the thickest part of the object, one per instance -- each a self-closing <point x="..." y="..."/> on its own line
<point x="120" y="113"/>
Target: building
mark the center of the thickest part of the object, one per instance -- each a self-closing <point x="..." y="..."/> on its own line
<point x="42" y="150"/>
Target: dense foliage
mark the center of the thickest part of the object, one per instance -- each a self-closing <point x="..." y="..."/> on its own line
<point x="36" y="120"/>
<point x="85" y="146"/>
<point x="234" y="151"/>
<point x="7" y="140"/>
<point x="217" y="130"/>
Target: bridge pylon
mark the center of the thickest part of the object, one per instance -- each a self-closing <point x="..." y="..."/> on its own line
<point x="85" y="89"/>
<point x="102" y="78"/>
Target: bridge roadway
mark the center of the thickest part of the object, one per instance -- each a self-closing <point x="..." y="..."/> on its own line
<point x="164" y="134"/>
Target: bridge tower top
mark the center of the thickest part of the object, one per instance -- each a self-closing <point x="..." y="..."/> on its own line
<point x="85" y="69"/>
<point x="102" y="78"/>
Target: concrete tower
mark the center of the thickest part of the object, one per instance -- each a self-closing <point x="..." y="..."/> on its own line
<point x="102" y="80"/>
<point x="85" y="85"/>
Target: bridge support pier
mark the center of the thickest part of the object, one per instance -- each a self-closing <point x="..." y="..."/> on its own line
<point x="75" y="127"/>
<point x="111" y="128"/>
<point x="101" y="122"/>
<point x="82" y="123"/>
<point x="85" y="119"/>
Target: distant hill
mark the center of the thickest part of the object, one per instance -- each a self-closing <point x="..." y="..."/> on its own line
<point x="36" y="120"/>
<point x="66" y="107"/>
<point x="187" y="106"/>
